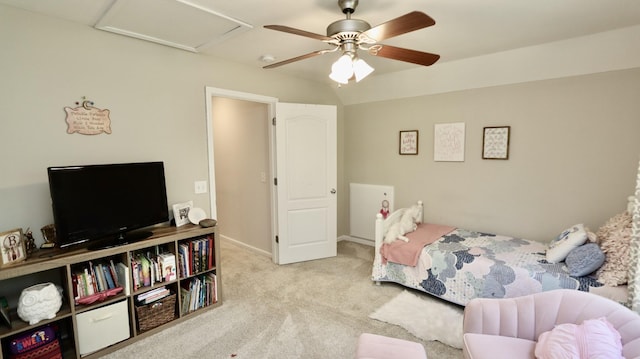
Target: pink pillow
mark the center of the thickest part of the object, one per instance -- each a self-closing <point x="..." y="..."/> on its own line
<point x="594" y="338"/>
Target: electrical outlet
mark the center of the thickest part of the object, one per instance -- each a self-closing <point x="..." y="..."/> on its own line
<point x="201" y="187"/>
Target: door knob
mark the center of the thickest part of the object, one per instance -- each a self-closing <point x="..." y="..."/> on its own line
<point x="333" y="191"/>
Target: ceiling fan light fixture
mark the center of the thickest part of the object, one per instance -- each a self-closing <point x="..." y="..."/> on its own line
<point x="350" y="35"/>
<point x="361" y="69"/>
<point x="342" y="69"/>
<point x="347" y="66"/>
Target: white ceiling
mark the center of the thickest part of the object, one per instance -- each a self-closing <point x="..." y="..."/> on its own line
<point x="233" y="30"/>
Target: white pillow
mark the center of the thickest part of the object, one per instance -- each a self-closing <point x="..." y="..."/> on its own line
<point x="566" y="241"/>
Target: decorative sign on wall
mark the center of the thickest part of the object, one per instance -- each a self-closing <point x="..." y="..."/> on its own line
<point x="87" y="120"/>
<point x="448" y="142"/>
<point x="495" y="143"/>
<point x="409" y="142"/>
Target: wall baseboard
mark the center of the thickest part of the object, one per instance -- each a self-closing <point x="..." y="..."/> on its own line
<point x="244" y="245"/>
<point x="268" y="254"/>
<point x="357" y="240"/>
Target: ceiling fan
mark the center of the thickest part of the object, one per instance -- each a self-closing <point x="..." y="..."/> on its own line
<point x="350" y="35"/>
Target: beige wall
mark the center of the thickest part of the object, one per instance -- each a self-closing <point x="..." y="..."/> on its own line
<point x="573" y="155"/>
<point x="241" y="147"/>
<point x="156" y="96"/>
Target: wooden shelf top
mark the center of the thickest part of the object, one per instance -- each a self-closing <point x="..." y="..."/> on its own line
<point x="47" y="259"/>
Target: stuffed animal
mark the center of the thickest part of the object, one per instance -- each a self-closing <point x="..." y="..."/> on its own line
<point x="409" y="221"/>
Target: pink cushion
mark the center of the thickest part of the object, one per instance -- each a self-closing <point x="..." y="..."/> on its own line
<point x="529" y="316"/>
<point x="372" y="346"/>
<point x="483" y="346"/>
<point x="594" y="338"/>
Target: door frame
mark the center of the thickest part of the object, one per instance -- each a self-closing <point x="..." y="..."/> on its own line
<point x="210" y="93"/>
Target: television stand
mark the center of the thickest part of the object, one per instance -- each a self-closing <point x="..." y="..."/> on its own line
<point x="88" y="329"/>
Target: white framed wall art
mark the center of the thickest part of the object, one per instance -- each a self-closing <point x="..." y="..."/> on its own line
<point x="448" y="142"/>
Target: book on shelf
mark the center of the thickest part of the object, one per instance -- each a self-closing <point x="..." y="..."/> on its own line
<point x="145" y="270"/>
<point x="92" y="278"/>
<point x="214" y="291"/>
<point x="150" y="293"/>
<point x="87" y="278"/>
<point x="199" y="292"/>
<point x="204" y="254"/>
<point x="195" y="293"/>
<point x="153" y="295"/>
<point x="114" y="274"/>
<point x="183" y="252"/>
<point x="107" y="276"/>
<point x="190" y="261"/>
<point x="196" y="256"/>
<point x="151" y="267"/>
<point x="101" y="282"/>
<point x="167" y="264"/>
<point x="97" y="286"/>
<point x="134" y="274"/>
<point x="185" y="298"/>
<point x="123" y="277"/>
<point x="210" y="250"/>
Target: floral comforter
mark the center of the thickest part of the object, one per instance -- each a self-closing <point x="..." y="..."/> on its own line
<point x="463" y="265"/>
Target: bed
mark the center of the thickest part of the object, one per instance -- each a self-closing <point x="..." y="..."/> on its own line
<point x="458" y="265"/>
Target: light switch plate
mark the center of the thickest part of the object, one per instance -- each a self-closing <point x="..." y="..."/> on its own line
<point x="201" y="187"/>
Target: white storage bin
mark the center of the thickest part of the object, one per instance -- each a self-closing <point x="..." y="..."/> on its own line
<point x="102" y="327"/>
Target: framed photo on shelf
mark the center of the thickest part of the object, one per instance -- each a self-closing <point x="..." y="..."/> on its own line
<point x="409" y="142"/>
<point x="12" y="247"/>
<point x="181" y="213"/>
<point x="495" y="143"/>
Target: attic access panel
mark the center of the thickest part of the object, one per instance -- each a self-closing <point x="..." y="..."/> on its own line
<point x="183" y="24"/>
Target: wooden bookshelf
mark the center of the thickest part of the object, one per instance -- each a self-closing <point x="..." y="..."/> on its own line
<point x="61" y="265"/>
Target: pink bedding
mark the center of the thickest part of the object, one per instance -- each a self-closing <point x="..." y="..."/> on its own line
<point x="407" y="253"/>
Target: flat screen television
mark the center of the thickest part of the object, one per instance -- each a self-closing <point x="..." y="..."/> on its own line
<point x="108" y="204"/>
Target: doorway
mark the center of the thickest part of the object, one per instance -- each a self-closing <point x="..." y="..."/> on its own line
<point x="294" y="220"/>
<point x="240" y="165"/>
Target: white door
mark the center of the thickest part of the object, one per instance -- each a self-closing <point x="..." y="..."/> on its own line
<point x="306" y="165"/>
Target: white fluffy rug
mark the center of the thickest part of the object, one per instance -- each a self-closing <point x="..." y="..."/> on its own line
<point x="425" y="317"/>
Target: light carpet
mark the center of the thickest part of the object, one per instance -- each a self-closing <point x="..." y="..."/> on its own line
<point x="309" y="310"/>
<point x="425" y="317"/>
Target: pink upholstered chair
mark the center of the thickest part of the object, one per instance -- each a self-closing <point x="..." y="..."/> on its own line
<point x="510" y="327"/>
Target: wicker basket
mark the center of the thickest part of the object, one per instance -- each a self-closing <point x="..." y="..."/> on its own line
<point x="156" y="313"/>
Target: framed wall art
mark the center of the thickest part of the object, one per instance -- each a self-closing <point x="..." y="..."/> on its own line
<point x="408" y="142"/>
<point x="495" y="143"/>
<point x="181" y="213"/>
<point x="12" y="247"/>
<point x="448" y="142"/>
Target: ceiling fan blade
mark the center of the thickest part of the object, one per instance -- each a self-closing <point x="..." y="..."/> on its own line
<point x="401" y="25"/>
<point x="291" y="30"/>
<point x="398" y="53"/>
<point x="298" y="58"/>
